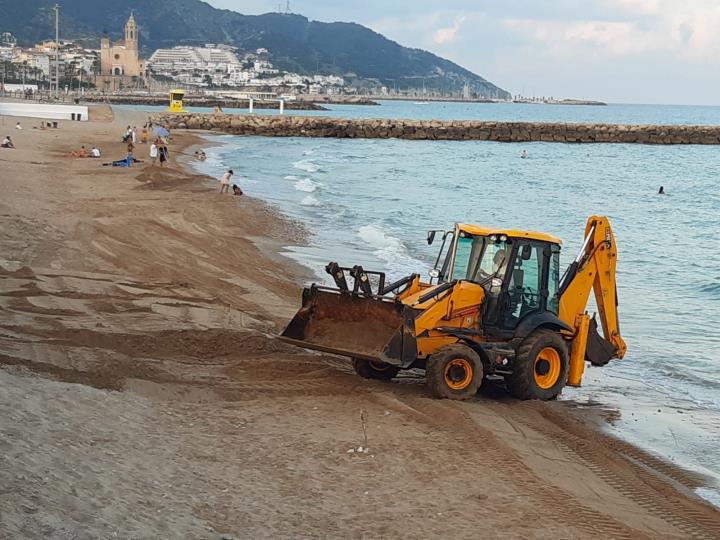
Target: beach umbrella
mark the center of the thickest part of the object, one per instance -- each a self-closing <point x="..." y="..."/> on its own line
<point x="162" y="132"/>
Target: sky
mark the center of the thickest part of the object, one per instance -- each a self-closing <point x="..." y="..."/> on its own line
<point x="619" y="51"/>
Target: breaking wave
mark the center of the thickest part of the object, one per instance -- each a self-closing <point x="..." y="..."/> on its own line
<point x="306" y="185"/>
<point x="306" y="165"/>
<point x="309" y="200"/>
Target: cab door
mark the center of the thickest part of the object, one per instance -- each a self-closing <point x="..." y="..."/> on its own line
<point x="525" y="289"/>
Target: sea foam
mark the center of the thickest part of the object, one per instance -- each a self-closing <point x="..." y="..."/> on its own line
<point x="306" y="165"/>
<point x="306" y="185"/>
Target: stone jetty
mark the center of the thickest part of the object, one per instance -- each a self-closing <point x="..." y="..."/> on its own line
<point x="194" y="101"/>
<point x="440" y="130"/>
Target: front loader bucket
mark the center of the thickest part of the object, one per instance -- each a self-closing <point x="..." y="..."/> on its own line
<point x="343" y="323"/>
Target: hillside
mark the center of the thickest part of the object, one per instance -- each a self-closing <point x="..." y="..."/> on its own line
<point x="295" y="43"/>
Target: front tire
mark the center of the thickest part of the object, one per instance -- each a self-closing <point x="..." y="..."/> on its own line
<point x="541" y="366"/>
<point x="374" y="369"/>
<point x="454" y="372"/>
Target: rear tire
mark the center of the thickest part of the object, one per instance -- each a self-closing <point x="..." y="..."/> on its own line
<point x="454" y="372"/>
<point x="541" y="366"/>
<point x="379" y="371"/>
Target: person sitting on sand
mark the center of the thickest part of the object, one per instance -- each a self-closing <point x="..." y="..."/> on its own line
<point x="79" y="153"/>
<point x="236" y="190"/>
<point x="7" y="142"/>
<point x="18" y="126"/>
<point x="95" y="152"/>
<point x="225" y="181"/>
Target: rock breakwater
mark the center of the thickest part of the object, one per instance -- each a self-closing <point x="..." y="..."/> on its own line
<point x="201" y="102"/>
<point x="460" y="130"/>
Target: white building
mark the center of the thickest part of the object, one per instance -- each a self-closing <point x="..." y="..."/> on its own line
<point x="222" y="66"/>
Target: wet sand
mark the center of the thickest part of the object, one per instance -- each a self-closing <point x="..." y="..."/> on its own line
<point x="142" y="393"/>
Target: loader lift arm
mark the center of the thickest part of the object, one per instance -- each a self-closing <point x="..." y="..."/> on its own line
<point x="593" y="269"/>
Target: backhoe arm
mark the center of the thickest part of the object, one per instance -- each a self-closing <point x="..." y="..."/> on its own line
<point x="593" y="269"/>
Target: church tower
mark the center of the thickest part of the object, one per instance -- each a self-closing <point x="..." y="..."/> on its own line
<point x="131" y="33"/>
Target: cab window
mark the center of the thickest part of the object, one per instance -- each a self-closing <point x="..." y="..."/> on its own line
<point x="524" y="284"/>
<point x="553" y="280"/>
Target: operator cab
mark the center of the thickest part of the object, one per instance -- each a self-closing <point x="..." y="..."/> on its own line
<point x="519" y="271"/>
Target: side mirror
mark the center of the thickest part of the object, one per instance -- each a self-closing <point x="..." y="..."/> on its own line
<point x="430" y="237"/>
<point x="434" y="273"/>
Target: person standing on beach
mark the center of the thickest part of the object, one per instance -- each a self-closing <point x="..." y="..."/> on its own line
<point x="225" y="182"/>
<point x="153" y="154"/>
<point x="133" y="134"/>
<point x="164" y="154"/>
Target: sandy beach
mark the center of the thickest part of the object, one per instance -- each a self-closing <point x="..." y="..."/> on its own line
<point x="143" y="395"/>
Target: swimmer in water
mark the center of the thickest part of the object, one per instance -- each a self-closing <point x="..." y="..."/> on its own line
<point x="524" y="154"/>
<point x="661" y="191"/>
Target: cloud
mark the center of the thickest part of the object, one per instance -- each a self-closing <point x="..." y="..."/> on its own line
<point x="615" y="38"/>
<point x="449" y="34"/>
<point x="686" y="31"/>
<point x="662" y="51"/>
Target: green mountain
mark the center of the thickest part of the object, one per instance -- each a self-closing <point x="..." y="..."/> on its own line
<point x="295" y="43"/>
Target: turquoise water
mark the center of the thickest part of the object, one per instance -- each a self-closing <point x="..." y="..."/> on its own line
<point x="370" y="202"/>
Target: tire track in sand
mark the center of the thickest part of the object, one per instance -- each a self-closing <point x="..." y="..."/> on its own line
<point x="645" y="487"/>
<point x="479" y="441"/>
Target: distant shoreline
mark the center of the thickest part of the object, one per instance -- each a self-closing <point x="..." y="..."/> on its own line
<point x="210" y="102"/>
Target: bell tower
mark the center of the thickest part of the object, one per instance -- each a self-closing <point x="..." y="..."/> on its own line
<point x="131" y="33"/>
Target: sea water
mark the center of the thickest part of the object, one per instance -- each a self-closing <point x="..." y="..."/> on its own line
<point x="370" y="202"/>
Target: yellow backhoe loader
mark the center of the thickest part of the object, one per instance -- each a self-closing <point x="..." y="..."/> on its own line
<point x="495" y="306"/>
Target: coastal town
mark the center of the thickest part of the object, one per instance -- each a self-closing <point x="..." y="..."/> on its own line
<point x="117" y="66"/>
<point x="69" y="67"/>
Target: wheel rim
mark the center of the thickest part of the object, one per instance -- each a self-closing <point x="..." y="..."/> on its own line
<point x="547" y="368"/>
<point x="458" y="373"/>
<point x="379" y="366"/>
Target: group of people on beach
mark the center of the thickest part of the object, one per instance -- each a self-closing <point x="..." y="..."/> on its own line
<point x="83" y="153"/>
<point x="158" y="148"/>
<point x="132" y="136"/>
<point x="225" y="184"/>
<point x="159" y="152"/>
